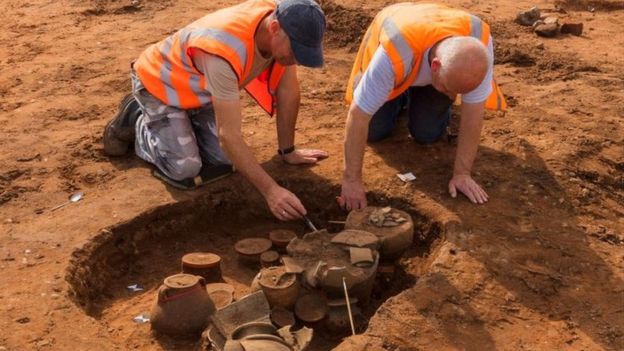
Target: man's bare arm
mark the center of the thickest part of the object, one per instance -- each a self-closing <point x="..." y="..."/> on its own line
<point x="288" y="98"/>
<point x="282" y="203"/>
<point x="467" y="146"/>
<point x="353" y="195"/>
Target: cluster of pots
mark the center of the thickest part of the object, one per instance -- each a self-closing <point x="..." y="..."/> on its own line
<point x="300" y="285"/>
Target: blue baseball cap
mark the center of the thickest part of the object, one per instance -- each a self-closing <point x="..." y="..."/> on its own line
<point x="304" y="23"/>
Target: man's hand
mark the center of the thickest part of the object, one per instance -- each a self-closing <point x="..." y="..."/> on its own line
<point x="304" y="156"/>
<point x="470" y="188"/>
<point x="284" y="204"/>
<point x="353" y="195"/>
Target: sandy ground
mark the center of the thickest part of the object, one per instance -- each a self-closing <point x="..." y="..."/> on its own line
<point x="539" y="267"/>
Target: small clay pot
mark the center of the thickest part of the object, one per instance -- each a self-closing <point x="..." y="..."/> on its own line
<point x="338" y="315"/>
<point x="281" y="317"/>
<point x="281" y="237"/>
<point x="394" y="240"/>
<point x="311" y="309"/>
<point x="280" y="287"/>
<point x="250" y="249"/>
<point x="203" y="264"/>
<point x="269" y="259"/>
<point x="183" y="307"/>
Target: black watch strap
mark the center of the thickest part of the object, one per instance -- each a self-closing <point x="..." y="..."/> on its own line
<point x="286" y="151"/>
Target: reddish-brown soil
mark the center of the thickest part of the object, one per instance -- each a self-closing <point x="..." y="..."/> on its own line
<point x="539" y="267"/>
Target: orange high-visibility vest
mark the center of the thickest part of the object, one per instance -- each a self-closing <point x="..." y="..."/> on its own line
<point x="406" y="31"/>
<point x="166" y="68"/>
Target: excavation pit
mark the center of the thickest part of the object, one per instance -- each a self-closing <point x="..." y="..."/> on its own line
<point x="148" y="248"/>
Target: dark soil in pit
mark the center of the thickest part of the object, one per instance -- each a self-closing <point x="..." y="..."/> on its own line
<point x="149" y="248"/>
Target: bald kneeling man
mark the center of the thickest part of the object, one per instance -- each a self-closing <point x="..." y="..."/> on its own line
<point x="420" y="57"/>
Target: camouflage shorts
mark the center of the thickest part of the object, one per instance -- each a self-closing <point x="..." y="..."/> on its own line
<point x="176" y="141"/>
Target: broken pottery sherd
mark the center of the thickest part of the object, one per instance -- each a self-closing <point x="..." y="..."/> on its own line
<point x="361" y="257"/>
<point x="250" y="308"/>
<point x="291" y="265"/>
<point x="221" y="294"/>
<point x="264" y="345"/>
<point x="357" y="238"/>
<point x="298" y="340"/>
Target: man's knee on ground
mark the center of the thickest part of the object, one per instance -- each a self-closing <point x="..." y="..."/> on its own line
<point x="184" y="168"/>
<point x="423" y="137"/>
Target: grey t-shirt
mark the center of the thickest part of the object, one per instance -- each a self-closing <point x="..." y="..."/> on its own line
<point x="221" y="81"/>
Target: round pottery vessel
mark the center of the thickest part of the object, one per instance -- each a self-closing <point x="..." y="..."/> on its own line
<point x="311" y="308"/>
<point x="183" y="306"/>
<point x="250" y="249"/>
<point x="269" y="259"/>
<point x="252" y="329"/>
<point x="281" y="237"/>
<point x="280" y="287"/>
<point x="394" y="240"/>
<point x="203" y="264"/>
<point x="338" y="315"/>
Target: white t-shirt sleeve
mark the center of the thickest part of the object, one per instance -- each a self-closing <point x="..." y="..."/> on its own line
<point x="481" y="93"/>
<point x="376" y="83"/>
<point x="221" y="81"/>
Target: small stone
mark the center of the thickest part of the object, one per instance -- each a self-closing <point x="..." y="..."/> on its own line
<point x="540" y="46"/>
<point x="527" y="18"/>
<point x="547" y="30"/>
<point x="43" y="343"/>
<point x="551" y="19"/>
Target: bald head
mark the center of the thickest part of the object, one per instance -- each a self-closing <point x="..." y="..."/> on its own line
<point x="463" y="63"/>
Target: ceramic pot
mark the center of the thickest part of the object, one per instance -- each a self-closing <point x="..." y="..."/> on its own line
<point x="253" y="328"/>
<point x="280" y="287"/>
<point x="269" y="259"/>
<point x="183" y="306"/>
<point x="250" y="249"/>
<point x="203" y="264"/>
<point x="338" y="315"/>
<point x="394" y="239"/>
